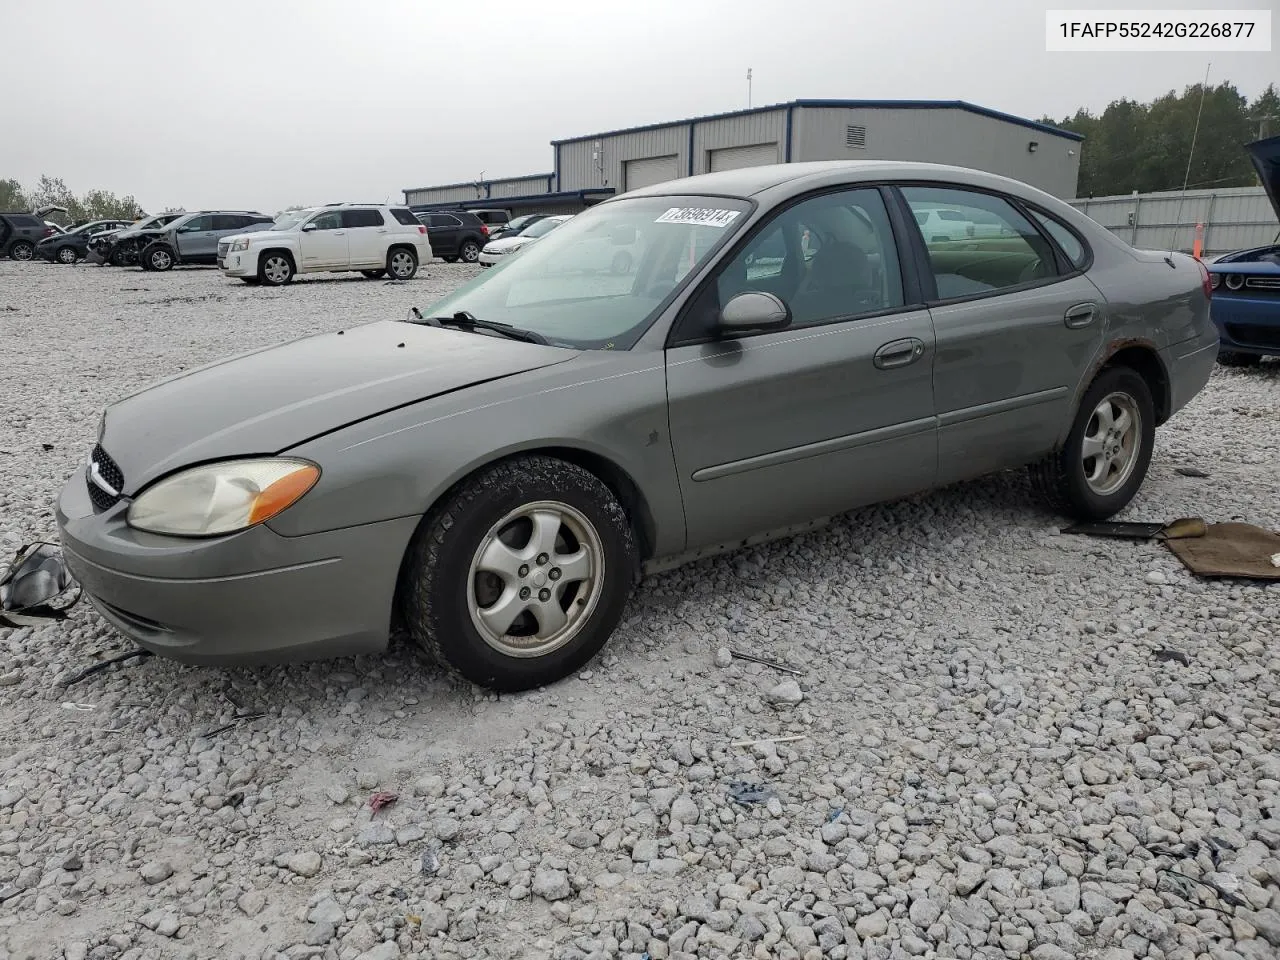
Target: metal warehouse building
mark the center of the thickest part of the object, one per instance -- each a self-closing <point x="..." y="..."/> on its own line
<point x="592" y="168"/>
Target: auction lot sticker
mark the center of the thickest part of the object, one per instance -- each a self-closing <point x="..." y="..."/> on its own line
<point x="1164" y="31"/>
<point x="703" y="216"/>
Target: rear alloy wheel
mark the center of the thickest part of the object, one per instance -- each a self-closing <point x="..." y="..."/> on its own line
<point x="275" y="269"/>
<point x="402" y="264"/>
<point x="520" y="576"/>
<point x="470" y="252"/>
<point x="67" y="255"/>
<point x="1234" y="358"/>
<point x="1105" y="458"/>
<point x="158" y="257"/>
<point x="22" y="250"/>
<point x="373" y="274"/>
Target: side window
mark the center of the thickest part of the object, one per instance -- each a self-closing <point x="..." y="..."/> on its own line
<point x="197" y="224"/>
<point x="404" y="216"/>
<point x="829" y="258"/>
<point x="989" y="247"/>
<point x="332" y="220"/>
<point x="1065" y="238"/>
<point x="362" y="218"/>
<point x="229" y="221"/>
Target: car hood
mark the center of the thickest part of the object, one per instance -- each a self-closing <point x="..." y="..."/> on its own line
<point x="274" y="398"/>
<point x="507" y="244"/>
<point x="1265" y="155"/>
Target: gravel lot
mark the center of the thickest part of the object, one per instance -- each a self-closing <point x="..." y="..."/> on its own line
<point x="990" y="762"/>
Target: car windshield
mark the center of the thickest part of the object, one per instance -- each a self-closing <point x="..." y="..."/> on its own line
<point x="541" y="227"/>
<point x="291" y="218"/>
<point x="519" y="223"/>
<point x="597" y="281"/>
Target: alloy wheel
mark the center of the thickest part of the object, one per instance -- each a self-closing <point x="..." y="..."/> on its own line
<point x="1112" y="443"/>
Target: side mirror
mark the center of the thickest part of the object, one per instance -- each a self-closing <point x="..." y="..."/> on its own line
<point x="308" y="227"/>
<point x="754" y="310"/>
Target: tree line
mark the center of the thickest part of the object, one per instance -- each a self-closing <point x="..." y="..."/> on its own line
<point x="52" y="191"/>
<point x="1145" y="146"/>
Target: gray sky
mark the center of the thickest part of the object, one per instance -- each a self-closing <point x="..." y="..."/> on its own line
<point x="265" y="103"/>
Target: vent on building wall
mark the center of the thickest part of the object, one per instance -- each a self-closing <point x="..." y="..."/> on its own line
<point x="855" y="135"/>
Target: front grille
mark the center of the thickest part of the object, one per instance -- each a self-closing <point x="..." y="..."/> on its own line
<point x="1254" y="335"/>
<point x="110" y="472"/>
<point x="1262" y="283"/>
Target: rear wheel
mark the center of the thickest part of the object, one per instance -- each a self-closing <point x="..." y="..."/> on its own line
<point x="402" y="264"/>
<point x="22" y="250"/>
<point x="1105" y="458"/>
<point x="158" y="256"/>
<point x="373" y="274"/>
<point x="67" y="255"/>
<point x="275" y="269"/>
<point x="520" y="576"/>
<point x="470" y="252"/>
<point x="1234" y="358"/>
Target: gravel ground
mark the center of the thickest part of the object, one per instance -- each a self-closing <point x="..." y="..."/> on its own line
<point x="986" y="757"/>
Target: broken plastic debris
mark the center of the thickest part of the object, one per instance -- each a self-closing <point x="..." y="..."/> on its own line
<point x="35" y="579"/>
<point x="79" y="707"/>
<point x="430" y="864"/>
<point x="752" y="658"/>
<point x="748" y="793"/>
<point x="1190" y="471"/>
<point x="382" y="799"/>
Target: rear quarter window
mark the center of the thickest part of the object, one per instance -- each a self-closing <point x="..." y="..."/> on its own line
<point x="404" y="216"/>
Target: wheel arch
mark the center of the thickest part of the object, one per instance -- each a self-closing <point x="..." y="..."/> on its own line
<point x="285" y="250"/>
<point x="1144" y="360"/>
<point x="403" y="245"/>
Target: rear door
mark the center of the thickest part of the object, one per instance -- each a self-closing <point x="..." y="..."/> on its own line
<point x="367" y="237"/>
<point x="1018" y="326"/>
<point x="196" y="239"/>
<point x="444" y="230"/>
<point x="323" y="242"/>
<point x="782" y="427"/>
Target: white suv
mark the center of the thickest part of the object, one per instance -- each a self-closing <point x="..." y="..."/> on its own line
<point x="375" y="240"/>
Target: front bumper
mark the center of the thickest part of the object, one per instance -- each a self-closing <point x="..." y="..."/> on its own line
<point x="1247" y="322"/>
<point x="240" y="263"/>
<point x="250" y="597"/>
<point x="489" y="259"/>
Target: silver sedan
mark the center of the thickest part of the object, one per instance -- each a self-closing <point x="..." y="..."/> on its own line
<point x="496" y="470"/>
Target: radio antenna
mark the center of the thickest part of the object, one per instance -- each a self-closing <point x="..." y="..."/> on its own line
<point x="1177" y="217"/>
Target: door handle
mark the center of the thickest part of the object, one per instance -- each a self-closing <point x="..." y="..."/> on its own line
<point x="1081" y="315"/>
<point x="899" y="353"/>
<point x="339" y="233"/>
<point x="382" y="230"/>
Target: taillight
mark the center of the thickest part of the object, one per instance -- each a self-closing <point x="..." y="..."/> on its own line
<point x="1204" y="278"/>
<point x="484" y="229"/>
<point x="421" y="228"/>
<point x="48" y="231"/>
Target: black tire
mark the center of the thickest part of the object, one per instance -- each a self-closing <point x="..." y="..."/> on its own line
<point x="118" y="258"/>
<point x="251" y="281"/>
<point x="402" y="263"/>
<point x="373" y="274"/>
<point x="1234" y="358"/>
<point x="1060" y="477"/>
<point x="449" y="259"/>
<point x="22" y="250"/>
<point x="158" y="257"/>
<point x="66" y="255"/>
<point x="469" y="251"/>
<point x="436" y="589"/>
<point x="275" y="268"/>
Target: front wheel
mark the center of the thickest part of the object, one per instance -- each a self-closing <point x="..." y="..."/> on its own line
<point x="1234" y="358"/>
<point x="67" y="255"/>
<point x="373" y="274"/>
<point x="470" y="252"/>
<point x="1105" y="459"/>
<point x="402" y="264"/>
<point x="520" y="576"/>
<point x="158" y="257"/>
<point x="275" y="269"/>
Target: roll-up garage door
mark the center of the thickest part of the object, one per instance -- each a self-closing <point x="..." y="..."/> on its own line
<point x="647" y="172"/>
<point x="731" y="158"/>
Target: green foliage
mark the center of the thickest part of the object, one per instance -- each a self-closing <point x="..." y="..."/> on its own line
<point x="1145" y="146"/>
<point x="52" y="191"/>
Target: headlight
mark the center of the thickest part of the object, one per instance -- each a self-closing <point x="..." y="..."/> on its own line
<point x="241" y="244"/>
<point x="1234" y="281"/>
<point x="221" y="498"/>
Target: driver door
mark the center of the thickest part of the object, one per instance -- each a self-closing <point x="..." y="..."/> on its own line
<point x="323" y="242"/>
<point x="836" y="411"/>
<point x="196" y="238"/>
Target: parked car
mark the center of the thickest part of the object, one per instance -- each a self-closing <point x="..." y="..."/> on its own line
<point x="54" y="227"/>
<point x="72" y="246"/>
<point x="19" y="234"/>
<point x="496" y="471"/>
<point x="513" y="227"/>
<point x="120" y="248"/>
<point x="493" y="219"/>
<point x="1246" y="283"/>
<point x="193" y="237"/>
<point x="495" y="251"/>
<point x="455" y="235"/>
<point x="373" y="239"/>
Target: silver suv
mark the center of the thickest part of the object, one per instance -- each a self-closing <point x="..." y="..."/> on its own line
<point x="374" y="239"/>
<point x="193" y="237"/>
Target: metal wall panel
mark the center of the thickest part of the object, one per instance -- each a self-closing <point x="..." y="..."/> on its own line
<point x="1234" y="218"/>
<point x="750" y="130"/>
<point x="648" y="171"/>
<point x="443" y="194"/>
<point x="579" y="171"/>
<point x="943" y="135"/>
<point x="518" y="187"/>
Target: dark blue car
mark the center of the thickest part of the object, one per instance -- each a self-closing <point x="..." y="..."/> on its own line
<point x="1246" y="284"/>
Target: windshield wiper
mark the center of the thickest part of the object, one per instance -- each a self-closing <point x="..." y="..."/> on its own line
<point x="465" y="320"/>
